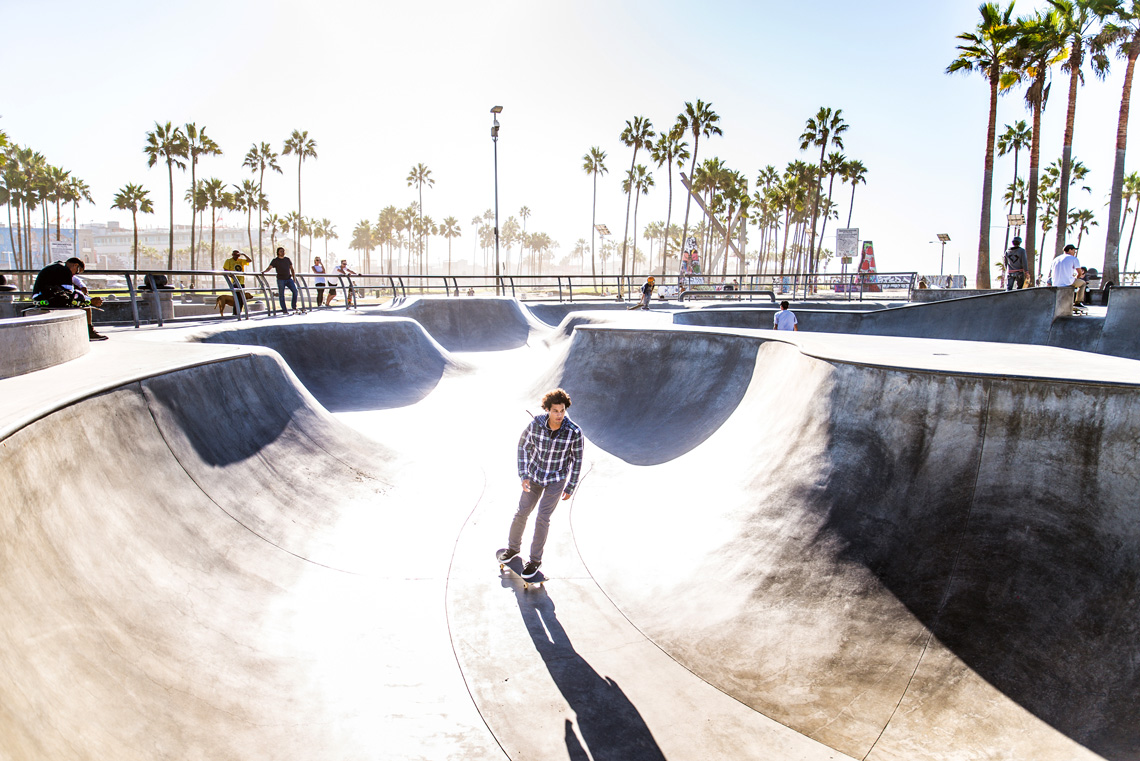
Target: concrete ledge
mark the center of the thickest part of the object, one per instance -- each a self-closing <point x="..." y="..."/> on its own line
<point x="33" y="343"/>
<point x="927" y="295"/>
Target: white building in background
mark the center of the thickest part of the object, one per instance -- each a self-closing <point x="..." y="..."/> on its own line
<point x="112" y="243"/>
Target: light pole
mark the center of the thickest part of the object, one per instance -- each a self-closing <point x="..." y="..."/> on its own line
<point x="942" y="262"/>
<point x="495" y="111"/>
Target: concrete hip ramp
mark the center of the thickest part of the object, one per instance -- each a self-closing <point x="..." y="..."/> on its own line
<point x="896" y="563"/>
<point x="199" y="566"/>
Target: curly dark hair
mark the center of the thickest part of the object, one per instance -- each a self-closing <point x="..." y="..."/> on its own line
<point x="557" y="396"/>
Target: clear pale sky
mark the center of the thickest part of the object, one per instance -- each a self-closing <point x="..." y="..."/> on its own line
<point x="383" y="86"/>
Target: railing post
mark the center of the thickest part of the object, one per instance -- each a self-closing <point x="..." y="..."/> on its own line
<point x="134" y="299"/>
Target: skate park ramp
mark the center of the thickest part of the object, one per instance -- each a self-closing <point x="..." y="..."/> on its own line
<point x="203" y="580"/>
<point x="469" y="324"/>
<point x="350" y="363"/>
<point x="897" y="548"/>
<point x="897" y="563"/>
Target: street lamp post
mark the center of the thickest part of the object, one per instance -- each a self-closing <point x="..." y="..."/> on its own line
<point x="495" y="111"/>
<point x="942" y="262"/>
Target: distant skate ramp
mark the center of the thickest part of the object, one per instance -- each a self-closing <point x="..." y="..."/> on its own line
<point x="350" y="364"/>
<point x="471" y="324"/>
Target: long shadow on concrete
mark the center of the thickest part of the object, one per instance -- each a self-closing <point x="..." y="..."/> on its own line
<point x="610" y="726"/>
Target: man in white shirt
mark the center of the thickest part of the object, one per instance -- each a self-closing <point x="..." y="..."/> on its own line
<point x="1068" y="272"/>
<point x="785" y="319"/>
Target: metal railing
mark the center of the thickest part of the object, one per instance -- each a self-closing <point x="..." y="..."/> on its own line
<point x="150" y="299"/>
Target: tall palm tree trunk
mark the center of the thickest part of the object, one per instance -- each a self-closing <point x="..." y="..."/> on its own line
<point x="1012" y="197"/>
<point x="668" y="219"/>
<point x="593" y="229"/>
<point x="1132" y="234"/>
<point x="135" y="225"/>
<point x="1067" y="147"/>
<point x="625" y="238"/>
<point x="1032" y="246"/>
<point x="170" y="254"/>
<point x="689" y="194"/>
<point x="982" y="277"/>
<point x="1111" y="272"/>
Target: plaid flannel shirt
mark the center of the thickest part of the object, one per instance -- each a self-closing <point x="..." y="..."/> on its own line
<point x="546" y="456"/>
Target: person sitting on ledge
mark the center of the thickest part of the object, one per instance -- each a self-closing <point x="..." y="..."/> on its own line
<point x="55" y="289"/>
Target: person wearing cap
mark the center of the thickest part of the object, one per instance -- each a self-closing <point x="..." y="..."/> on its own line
<point x="1016" y="266"/>
<point x="646" y="294"/>
<point x="236" y="263"/>
<point x="1068" y="273"/>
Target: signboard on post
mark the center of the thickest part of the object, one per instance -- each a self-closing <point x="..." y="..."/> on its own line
<point x="61" y="250"/>
<point x="847" y="242"/>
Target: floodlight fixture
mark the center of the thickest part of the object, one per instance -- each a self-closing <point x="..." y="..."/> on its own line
<point x="944" y="237"/>
<point x="602" y="230"/>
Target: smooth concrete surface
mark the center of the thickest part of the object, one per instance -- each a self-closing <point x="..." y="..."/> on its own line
<point x="783" y="547"/>
<point x="32" y="343"/>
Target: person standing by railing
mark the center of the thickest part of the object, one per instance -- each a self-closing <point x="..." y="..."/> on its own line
<point x="319" y="269"/>
<point x="285" y="274"/>
<point x="344" y="271"/>
<point x="236" y="263"/>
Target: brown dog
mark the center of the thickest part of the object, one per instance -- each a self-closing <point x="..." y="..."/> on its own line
<point x="223" y="301"/>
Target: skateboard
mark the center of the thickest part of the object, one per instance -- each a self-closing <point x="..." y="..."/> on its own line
<point x="515" y="565"/>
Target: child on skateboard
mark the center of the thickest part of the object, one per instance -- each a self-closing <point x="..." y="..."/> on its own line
<point x="549" y="464"/>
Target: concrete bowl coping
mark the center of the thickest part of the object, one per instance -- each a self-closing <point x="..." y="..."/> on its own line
<point x="28" y="344"/>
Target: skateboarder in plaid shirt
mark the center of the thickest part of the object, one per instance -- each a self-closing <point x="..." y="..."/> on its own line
<point x="550" y="463"/>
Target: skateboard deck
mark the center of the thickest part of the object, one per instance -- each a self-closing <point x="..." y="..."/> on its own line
<point x="515" y="565"/>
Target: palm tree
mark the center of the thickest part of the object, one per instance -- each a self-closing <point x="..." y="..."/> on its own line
<point x="258" y="158"/>
<point x="987" y="50"/>
<point x="1016" y="137"/>
<point x="197" y="144"/>
<point x="247" y="197"/>
<point x="823" y="130"/>
<point x="216" y="198"/>
<point x="328" y="232"/>
<point x="524" y="212"/>
<point x="77" y="190"/>
<point x="361" y="237"/>
<point x="1123" y="29"/>
<point x="855" y="173"/>
<point x="637" y="134"/>
<point x="135" y="199"/>
<point x="1083" y="219"/>
<point x="637" y="182"/>
<point x="699" y="119"/>
<point x="670" y="147"/>
<point x="418" y="176"/>
<point x="303" y="147"/>
<point x="1079" y="24"/>
<point x="593" y="163"/>
<point x="167" y="143"/>
<point x="834" y="165"/>
<point x="1132" y="188"/>
<point x="449" y="229"/>
<point x="1040" y="45"/>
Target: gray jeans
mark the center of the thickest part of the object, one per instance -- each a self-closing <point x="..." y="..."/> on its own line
<point x="546" y="497"/>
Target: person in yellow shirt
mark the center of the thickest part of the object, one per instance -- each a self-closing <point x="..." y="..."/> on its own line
<point x="236" y="263"/>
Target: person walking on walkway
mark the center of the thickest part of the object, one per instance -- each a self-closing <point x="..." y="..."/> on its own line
<point x="785" y="319"/>
<point x="285" y="274"/>
<point x="1016" y="266"/>
<point x="549" y="464"/>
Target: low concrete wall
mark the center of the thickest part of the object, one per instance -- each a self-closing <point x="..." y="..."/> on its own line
<point x="32" y="343"/>
<point x="927" y="295"/>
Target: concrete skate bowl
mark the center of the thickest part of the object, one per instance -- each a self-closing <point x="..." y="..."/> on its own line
<point x="470" y="324"/>
<point x="352" y="364"/>
<point x="189" y="572"/>
<point x="648" y="396"/>
<point x="898" y="564"/>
